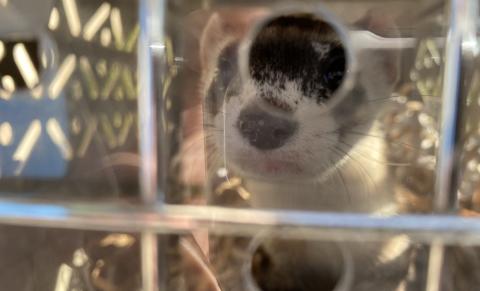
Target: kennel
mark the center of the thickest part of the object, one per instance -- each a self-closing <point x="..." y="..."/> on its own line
<point x="106" y="183"/>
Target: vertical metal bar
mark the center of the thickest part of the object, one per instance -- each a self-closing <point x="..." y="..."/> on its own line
<point x="446" y="172"/>
<point x="147" y="100"/>
<point x="435" y="266"/>
<point x="149" y="258"/>
<point x="151" y="33"/>
<point x="445" y="192"/>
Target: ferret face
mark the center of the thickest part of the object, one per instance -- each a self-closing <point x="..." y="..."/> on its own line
<point x="276" y="123"/>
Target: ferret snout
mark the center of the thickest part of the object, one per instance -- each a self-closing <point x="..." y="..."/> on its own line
<point x="264" y="130"/>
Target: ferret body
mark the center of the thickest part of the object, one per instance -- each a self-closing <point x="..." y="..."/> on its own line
<point x="357" y="185"/>
<point x="275" y="128"/>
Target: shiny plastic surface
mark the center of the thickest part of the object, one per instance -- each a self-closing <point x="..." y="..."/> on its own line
<point x="345" y="119"/>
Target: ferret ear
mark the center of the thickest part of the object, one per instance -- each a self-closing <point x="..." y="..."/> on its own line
<point x="204" y="30"/>
<point x="384" y="25"/>
<point x="379" y="22"/>
<point x="212" y="34"/>
<point x="194" y="27"/>
<point x="227" y="25"/>
<point x="195" y="23"/>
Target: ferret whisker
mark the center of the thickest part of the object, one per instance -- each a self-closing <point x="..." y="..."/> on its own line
<point x="323" y="168"/>
<point x="381" y="100"/>
<point x="209" y="125"/>
<point x="369" y="158"/>
<point x="366" y="142"/>
<point x="192" y="146"/>
<point x="210" y="152"/>
<point x="339" y="173"/>
<point x="210" y="134"/>
<point x="196" y="128"/>
<point x="409" y="146"/>
<point x="213" y="131"/>
<point x="212" y="161"/>
<point x="220" y="111"/>
<point x="362" y="169"/>
<point x="211" y="158"/>
<point x="193" y="143"/>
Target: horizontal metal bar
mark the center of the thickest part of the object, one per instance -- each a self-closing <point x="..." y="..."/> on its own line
<point x="178" y="219"/>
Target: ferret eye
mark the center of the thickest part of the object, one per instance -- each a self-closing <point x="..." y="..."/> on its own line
<point x="334" y="69"/>
<point x="223" y="84"/>
<point x="225" y="72"/>
<point x="226" y="66"/>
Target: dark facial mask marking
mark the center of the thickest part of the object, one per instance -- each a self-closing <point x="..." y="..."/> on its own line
<point x="286" y="49"/>
<point x="226" y="81"/>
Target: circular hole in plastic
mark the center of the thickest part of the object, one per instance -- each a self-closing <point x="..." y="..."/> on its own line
<point x="304" y="51"/>
<point x="298" y="265"/>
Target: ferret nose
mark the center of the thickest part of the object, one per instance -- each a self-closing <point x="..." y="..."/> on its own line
<point x="264" y="130"/>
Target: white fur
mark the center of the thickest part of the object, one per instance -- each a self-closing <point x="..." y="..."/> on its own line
<point x="307" y="173"/>
<point x="312" y="170"/>
<point x="321" y="49"/>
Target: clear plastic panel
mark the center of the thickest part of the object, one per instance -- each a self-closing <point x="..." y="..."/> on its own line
<point x="323" y="106"/>
<point x="312" y="106"/>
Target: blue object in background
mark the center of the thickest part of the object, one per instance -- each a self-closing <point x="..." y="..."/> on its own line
<point x="45" y="160"/>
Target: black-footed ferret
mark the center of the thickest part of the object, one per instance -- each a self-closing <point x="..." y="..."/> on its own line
<point x="290" y="129"/>
<point x="278" y="127"/>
